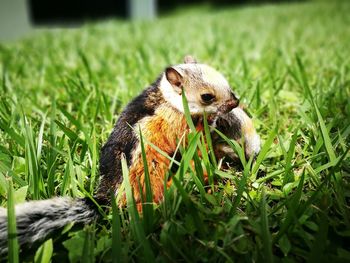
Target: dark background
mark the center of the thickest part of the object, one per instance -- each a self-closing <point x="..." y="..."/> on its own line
<point x="45" y="12"/>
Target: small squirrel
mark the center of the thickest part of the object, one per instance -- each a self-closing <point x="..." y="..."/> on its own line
<point x="159" y="114"/>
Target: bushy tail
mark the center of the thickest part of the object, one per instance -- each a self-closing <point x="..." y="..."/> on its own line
<point x="36" y="220"/>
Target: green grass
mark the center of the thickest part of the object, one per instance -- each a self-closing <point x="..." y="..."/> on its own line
<point x="61" y="92"/>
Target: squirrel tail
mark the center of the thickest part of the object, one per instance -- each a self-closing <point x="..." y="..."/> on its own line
<point x="36" y="220"/>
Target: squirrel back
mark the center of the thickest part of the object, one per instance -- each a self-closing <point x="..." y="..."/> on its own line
<point x="123" y="140"/>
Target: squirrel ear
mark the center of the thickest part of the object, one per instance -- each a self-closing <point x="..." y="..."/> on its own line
<point x="175" y="79"/>
<point x="189" y="59"/>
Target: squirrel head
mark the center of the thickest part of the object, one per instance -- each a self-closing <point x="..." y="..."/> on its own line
<point x="205" y="88"/>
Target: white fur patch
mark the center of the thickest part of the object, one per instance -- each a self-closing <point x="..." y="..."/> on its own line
<point x="212" y="76"/>
<point x="253" y="145"/>
<point x="251" y="138"/>
<point x="241" y="115"/>
<point x="170" y="95"/>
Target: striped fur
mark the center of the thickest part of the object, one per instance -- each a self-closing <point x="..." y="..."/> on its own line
<point x="36" y="220"/>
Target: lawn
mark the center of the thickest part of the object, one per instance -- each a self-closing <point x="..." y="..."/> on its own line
<point x="61" y="92"/>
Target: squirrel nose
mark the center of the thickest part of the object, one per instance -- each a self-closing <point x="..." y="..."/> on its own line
<point x="230" y="104"/>
<point x="235" y="100"/>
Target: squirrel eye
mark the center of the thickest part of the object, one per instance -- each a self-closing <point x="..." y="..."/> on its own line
<point x="207" y="97"/>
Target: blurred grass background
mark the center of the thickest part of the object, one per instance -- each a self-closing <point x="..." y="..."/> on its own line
<point x="62" y="90"/>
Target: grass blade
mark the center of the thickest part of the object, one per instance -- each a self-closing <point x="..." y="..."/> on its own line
<point x="293" y="205"/>
<point x="147" y="207"/>
<point x="135" y="221"/>
<point x="187" y="112"/>
<point x="88" y="248"/>
<point x="264" y="151"/>
<point x="265" y="232"/>
<point x="116" y="233"/>
<point x="288" y="176"/>
<point x="44" y="252"/>
<point x="208" y="140"/>
<point x="13" y="248"/>
<point x="325" y="136"/>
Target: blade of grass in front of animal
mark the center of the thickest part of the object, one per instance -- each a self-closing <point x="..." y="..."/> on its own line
<point x="235" y="146"/>
<point x="165" y="208"/>
<point x="196" y="174"/>
<point x="188" y="155"/>
<point x="264" y="151"/>
<point x="44" y="252"/>
<point x="92" y="144"/>
<point x="198" y="167"/>
<point x="191" y="206"/>
<point x="135" y="222"/>
<point x="116" y="232"/>
<point x="187" y="112"/>
<point x="185" y="164"/>
<point x="203" y="150"/>
<point x="183" y="193"/>
<point x="172" y="159"/>
<point x="88" y="247"/>
<point x="208" y="139"/>
<point x="207" y="149"/>
<point x="205" y="159"/>
<point x="147" y="207"/>
<point x="13" y="248"/>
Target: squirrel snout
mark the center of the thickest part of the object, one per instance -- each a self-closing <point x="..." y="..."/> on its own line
<point x="234" y="99"/>
<point x="229" y="105"/>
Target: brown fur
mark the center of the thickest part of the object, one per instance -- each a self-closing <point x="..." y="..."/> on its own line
<point x="163" y="129"/>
